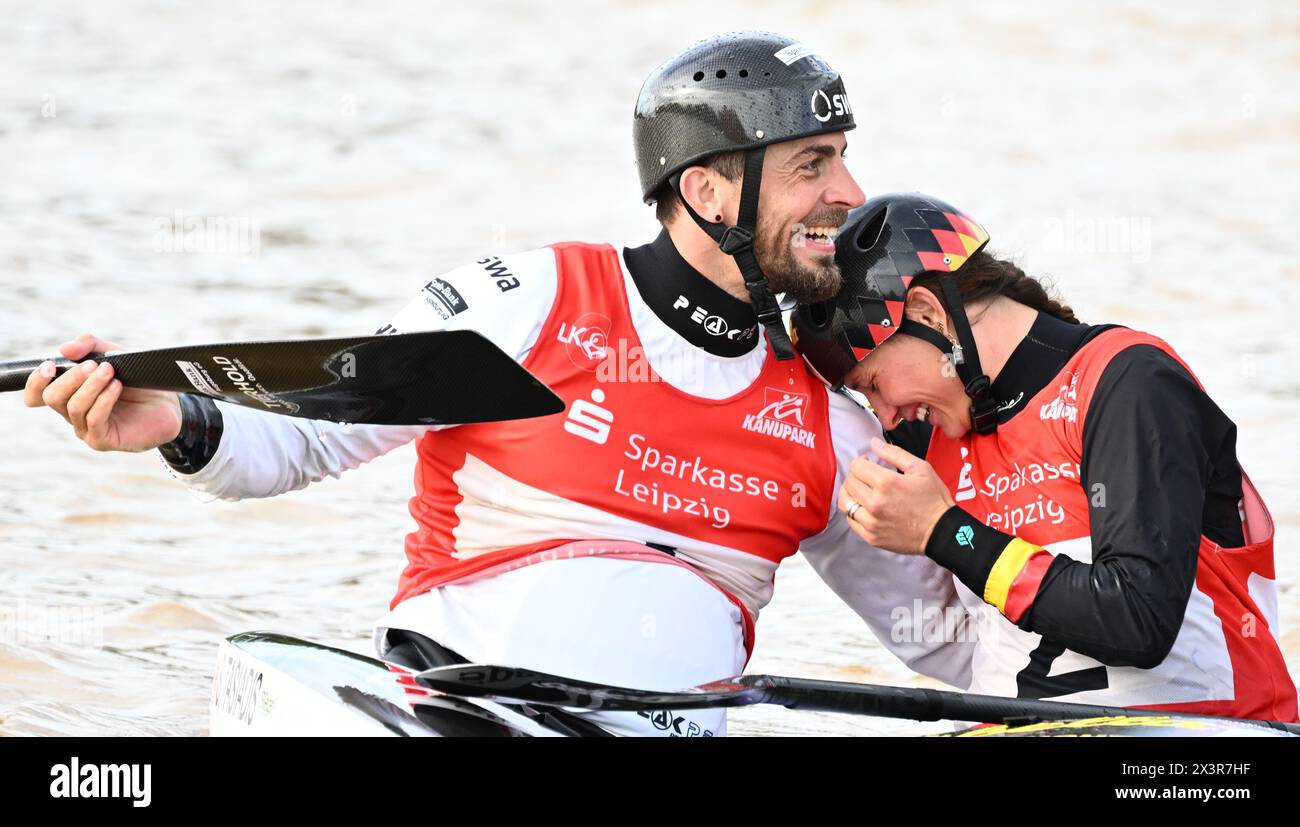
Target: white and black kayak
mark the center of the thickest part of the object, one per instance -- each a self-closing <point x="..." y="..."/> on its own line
<point x="269" y="684"/>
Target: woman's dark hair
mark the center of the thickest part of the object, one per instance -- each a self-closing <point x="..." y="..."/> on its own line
<point x="985" y="277"/>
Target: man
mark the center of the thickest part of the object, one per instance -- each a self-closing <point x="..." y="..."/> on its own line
<point x="633" y="539"/>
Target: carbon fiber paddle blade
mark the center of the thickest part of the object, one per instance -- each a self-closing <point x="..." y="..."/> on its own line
<point x="432" y="378"/>
<point x="506" y="683"/>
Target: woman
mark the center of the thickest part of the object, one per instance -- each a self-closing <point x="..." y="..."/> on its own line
<point x="1076" y="480"/>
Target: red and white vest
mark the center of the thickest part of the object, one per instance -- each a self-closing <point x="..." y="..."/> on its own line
<point x="1024" y="480"/>
<point x="732" y="485"/>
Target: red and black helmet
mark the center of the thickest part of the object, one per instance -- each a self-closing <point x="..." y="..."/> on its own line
<point x="885" y="244"/>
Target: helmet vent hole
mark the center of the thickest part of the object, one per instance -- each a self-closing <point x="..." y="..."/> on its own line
<point x="699" y="76"/>
<point x="744" y="73"/>
<point x="722" y="73"/>
<point x="767" y="74"/>
<point x="869" y="235"/>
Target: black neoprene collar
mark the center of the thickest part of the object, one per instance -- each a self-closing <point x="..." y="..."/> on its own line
<point x="701" y="312"/>
<point x="1037" y="359"/>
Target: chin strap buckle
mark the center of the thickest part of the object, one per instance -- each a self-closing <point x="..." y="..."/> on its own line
<point x="735" y="240"/>
<point x="983" y="408"/>
<point x="768" y="311"/>
<point x="763" y="301"/>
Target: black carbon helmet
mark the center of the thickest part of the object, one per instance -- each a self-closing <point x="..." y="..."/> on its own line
<point x="733" y="92"/>
<point x="881" y="249"/>
<point x="736" y="92"/>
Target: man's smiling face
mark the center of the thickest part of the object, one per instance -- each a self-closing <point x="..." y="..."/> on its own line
<point x="805" y="197"/>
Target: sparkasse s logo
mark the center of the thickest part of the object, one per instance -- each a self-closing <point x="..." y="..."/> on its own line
<point x="782" y="416"/>
<point x="965" y="488"/>
<point x="589" y="420"/>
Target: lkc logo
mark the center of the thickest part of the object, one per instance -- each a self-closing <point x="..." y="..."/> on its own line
<point x="586" y="340"/>
<point x="782" y="416"/>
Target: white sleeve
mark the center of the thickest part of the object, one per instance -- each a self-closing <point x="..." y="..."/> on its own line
<point x="507" y="299"/>
<point x="909" y="601"/>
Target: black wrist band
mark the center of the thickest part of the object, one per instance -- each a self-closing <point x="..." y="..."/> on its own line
<point x="196" y="444"/>
<point x="966" y="547"/>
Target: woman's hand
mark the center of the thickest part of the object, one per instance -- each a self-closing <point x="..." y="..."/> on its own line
<point x="103" y="414"/>
<point x="894" y="511"/>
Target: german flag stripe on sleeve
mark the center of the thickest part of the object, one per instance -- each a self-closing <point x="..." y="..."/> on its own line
<point x="986" y="560"/>
<point x="1025" y="587"/>
<point x="1015" y="576"/>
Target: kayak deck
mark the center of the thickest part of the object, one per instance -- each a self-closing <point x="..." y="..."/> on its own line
<point x="270" y="684"/>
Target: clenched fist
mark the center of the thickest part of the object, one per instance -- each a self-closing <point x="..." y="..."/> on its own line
<point x="890" y="510"/>
<point x="103" y="414"/>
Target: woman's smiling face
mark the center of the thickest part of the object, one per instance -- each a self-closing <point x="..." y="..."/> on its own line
<point x="907" y="379"/>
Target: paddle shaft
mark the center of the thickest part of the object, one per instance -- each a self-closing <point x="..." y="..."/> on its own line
<point x="919" y="704"/>
<point x="13" y="375"/>
<point x="910" y="703"/>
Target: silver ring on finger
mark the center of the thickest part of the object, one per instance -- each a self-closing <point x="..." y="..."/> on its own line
<point x="853" y="509"/>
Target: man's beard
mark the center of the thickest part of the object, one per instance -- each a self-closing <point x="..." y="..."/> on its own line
<point x="805" y="282"/>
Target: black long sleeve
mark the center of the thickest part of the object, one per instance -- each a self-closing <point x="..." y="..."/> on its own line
<point x="1159" y="468"/>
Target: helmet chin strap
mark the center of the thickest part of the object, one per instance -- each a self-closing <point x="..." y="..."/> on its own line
<point x="964" y="358"/>
<point x="738" y="242"/>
